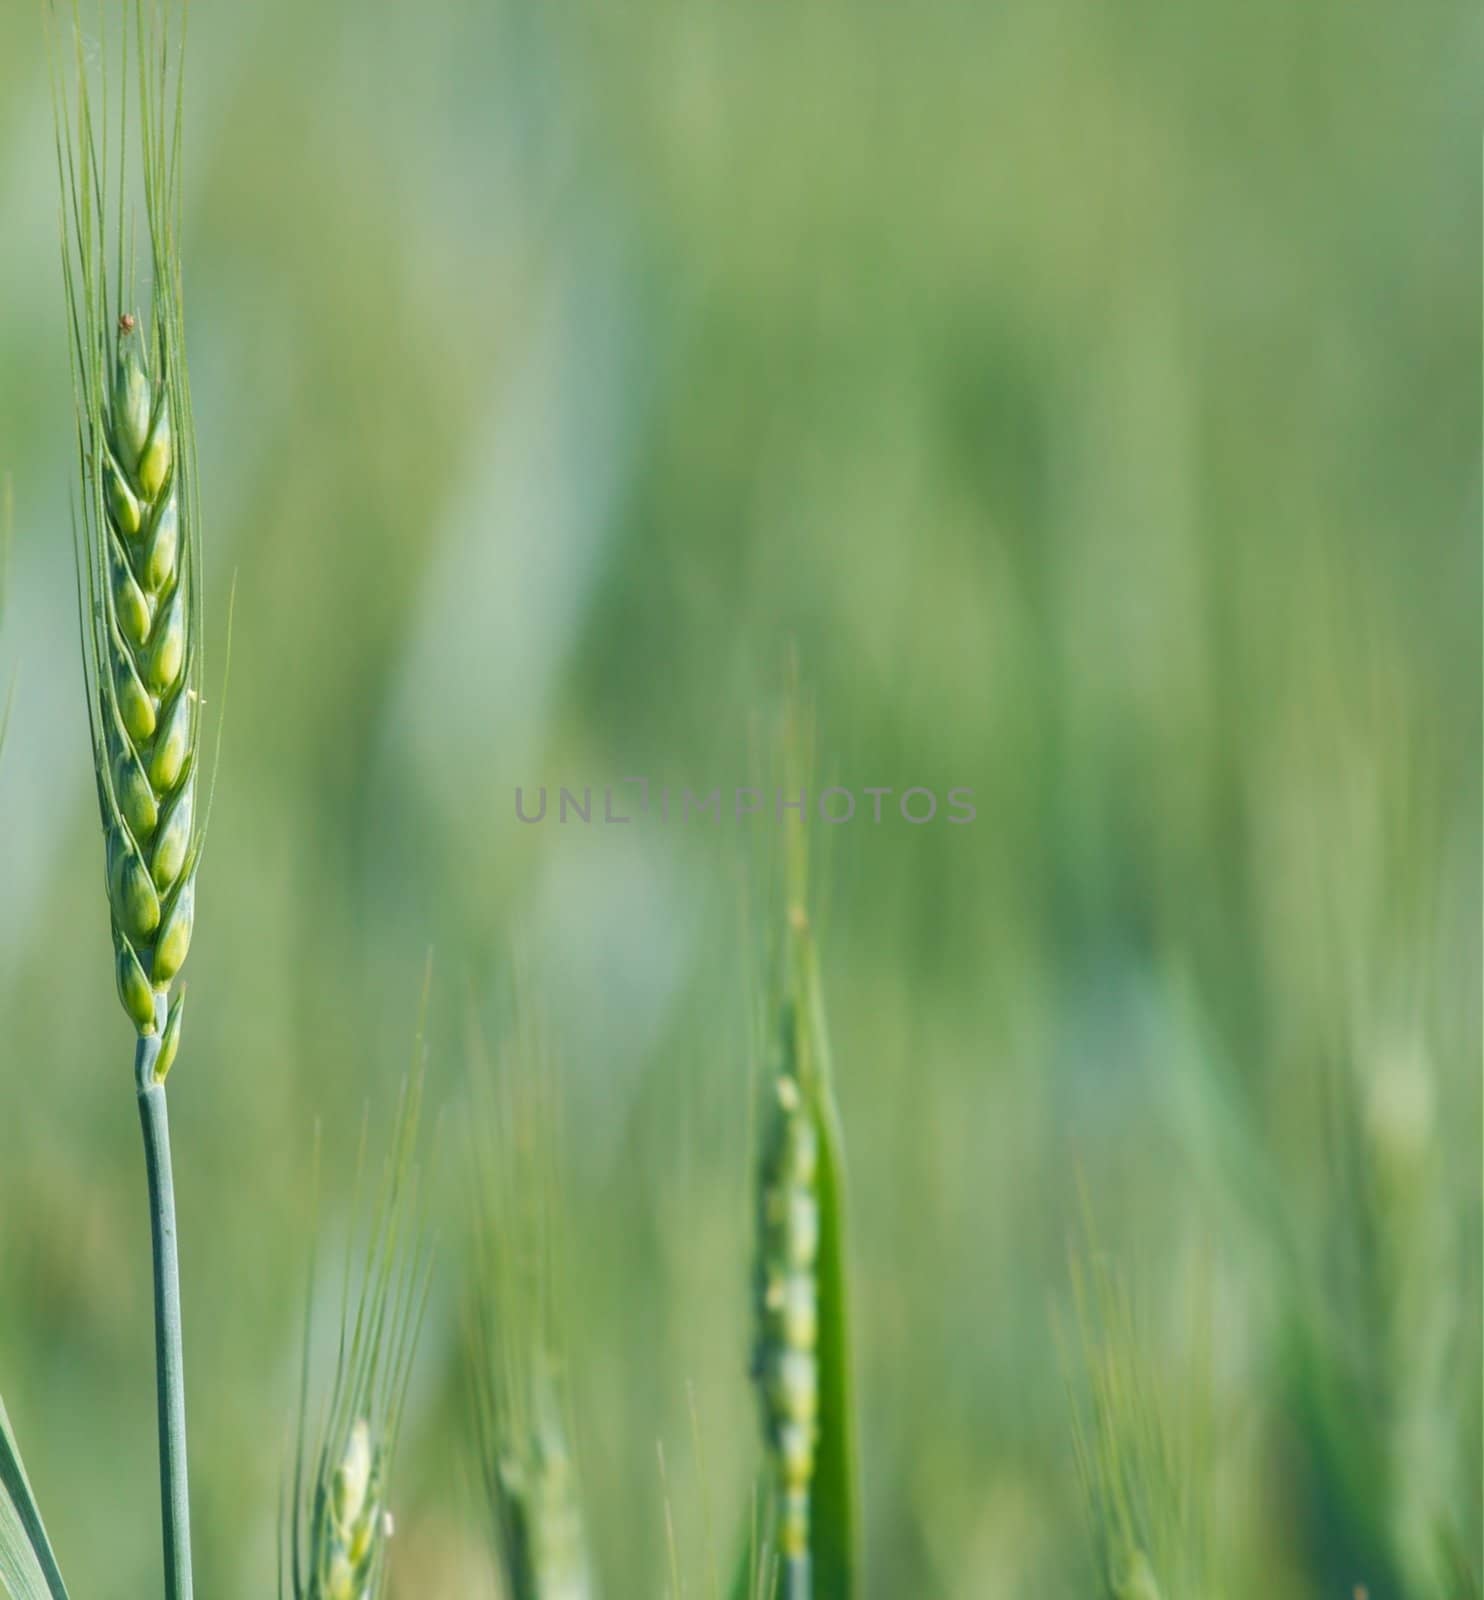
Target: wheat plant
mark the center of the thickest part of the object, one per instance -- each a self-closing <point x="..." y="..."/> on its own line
<point x="138" y="539"/>
<point x="802" y="1360"/>
<point x="1141" y="1445"/>
<point x="521" y="1401"/>
<point x="335" y="1536"/>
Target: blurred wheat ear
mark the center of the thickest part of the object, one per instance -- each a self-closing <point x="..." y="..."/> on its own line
<point x="335" y="1532"/>
<point x="1141" y="1448"/>
<point x="802" y="1358"/>
<point x="528" y="1462"/>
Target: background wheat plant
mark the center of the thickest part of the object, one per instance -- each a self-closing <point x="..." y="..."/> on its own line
<point x="139" y="557"/>
<point x="335" y="1535"/>
<point x="802" y="1359"/>
<point x="519" y="1381"/>
<point x="1141" y="1436"/>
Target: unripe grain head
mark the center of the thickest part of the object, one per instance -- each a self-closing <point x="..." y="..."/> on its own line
<point x="524" y="1430"/>
<point x="335" y="1541"/>
<point x="138" y="520"/>
<point x="802" y="1351"/>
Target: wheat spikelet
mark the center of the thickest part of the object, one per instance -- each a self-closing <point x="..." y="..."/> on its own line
<point x="785" y="1354"/>
<point x="137" y="519"/>
<point x="786" y="1362"/>
<point x="802" y="1361"/>
<point x="335" y="1538"/>
<point x="147" y="753"/>
<point x="535" y="1492"/>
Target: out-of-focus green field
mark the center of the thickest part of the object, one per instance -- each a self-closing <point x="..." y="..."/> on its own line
<point x="1090" y="395"/>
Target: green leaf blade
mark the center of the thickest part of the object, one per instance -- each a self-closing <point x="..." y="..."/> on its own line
<point x="28" y="1568"/>
<point x="836" y="1522"/>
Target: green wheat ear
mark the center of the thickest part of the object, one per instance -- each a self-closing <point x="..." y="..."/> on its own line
<point x="335" y="1535"/>
<point x="137" y="518"/>
<point x="521" y="1405"/>
<point x="802" y="1361"/>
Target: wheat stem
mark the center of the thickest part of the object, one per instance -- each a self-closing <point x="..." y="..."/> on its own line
<point x="175" y="1504"/>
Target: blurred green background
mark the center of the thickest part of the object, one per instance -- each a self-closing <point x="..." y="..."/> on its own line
<point x="1091" y="396"/>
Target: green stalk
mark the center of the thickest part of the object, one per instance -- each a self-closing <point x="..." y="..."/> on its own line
<point x="175" y="1501"/>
